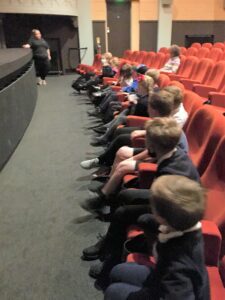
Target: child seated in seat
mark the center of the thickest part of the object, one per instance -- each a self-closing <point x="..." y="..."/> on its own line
<point x="172" y="65"/>
<point x="178" y="205"/>
<point x="137" y="104"/>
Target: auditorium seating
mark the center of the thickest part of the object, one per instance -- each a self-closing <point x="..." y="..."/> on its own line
<point x="215" y="54"/>
<point x="82" y="68"/>
<point x="202" y="52"/>
<point x="214" y="82"/>
<point x="207" y="45"/>
<point x="191" y="51"/>
<point x="200" y="74"/>
<point x="214" y="180"/>
<point x="196" y="45"/>
<point x="188" y="68"/>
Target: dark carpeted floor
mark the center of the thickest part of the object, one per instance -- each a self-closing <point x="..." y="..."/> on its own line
<point x="41" y="237"/>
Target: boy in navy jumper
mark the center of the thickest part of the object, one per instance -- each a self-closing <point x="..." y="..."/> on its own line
<point x="178" y="205"/>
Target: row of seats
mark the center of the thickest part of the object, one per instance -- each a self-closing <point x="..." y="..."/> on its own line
<point x="205" y="130"/>
<point x="205" y="76"/>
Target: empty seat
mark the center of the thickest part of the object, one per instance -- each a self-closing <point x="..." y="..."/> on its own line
<point x="149" y="58"/>
<point x="191" y="51"/>
<point x="83" y="68"/>
<point x="202" y="53"/>
<point x="204" y="132"/>
<point x="188" y="67"/>
<point x="214" y="81"/>
<point x="196" y="45"/>
<point x="215" y="54"/>
<point x="207" y="45"/>
<point x="219" y="45"/>
<point x="200" y="74"/>
<point x="163" y="80"/>
<point x="127" y="54"/>
<point x="214" y="180"/>
<point x="163" y="50"/>
<point x="158" y="61"/>
<point x="183" y="50"/>
<point x="218" y="98"/>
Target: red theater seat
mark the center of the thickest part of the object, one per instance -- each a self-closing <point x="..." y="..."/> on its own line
<point x="207" y="45"/>
<point x="196" y="45"/>
<point x="189" y="67"/>
<point x="200" y="74"/>
<point x="214" y="82"/>
<point x="219" y="45"/>
<point x="149" y="58"/>
<point x="158" y="61"/>
<point x="205" y="130"/>
<point x="214" y="180"/>
<point x="215" y="54"/>
<point x="192" y="51"/>
<point x="202" y="53"/>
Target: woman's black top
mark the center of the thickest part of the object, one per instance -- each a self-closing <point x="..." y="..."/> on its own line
<point x="39" y="48"/>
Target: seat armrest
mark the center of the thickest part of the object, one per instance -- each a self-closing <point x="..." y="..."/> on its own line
<point x="146" y="174"/>
<point x="135" y="121"/>
<point x="212" y="242"/>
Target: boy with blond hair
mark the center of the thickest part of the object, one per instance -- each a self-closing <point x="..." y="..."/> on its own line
<point x="178" y="205"/>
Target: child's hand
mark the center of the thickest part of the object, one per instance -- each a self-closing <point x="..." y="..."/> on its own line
<point x="138" y="133"/>
<point x="132" y="98"/>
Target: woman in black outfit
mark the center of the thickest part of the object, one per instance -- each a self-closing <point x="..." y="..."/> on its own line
<point x="41" y="54"/>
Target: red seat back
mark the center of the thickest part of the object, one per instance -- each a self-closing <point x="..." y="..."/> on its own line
<point x="183" y="50"/>
<point x="216" y="76"/>
<point x="207" y="45"/>
<point x="142" y="56"/>
<point x="149" y="58"/>
<point x="192" y="102"/>
<point x="189" y="66"/>
<point x="204" y="132"/>
<point x="219" y="45"/>
<point x="127" y="54"/>
<point x="164" y="50"/>
<point x="214" y="181"/>
<point x="215" y="54"/>
<point x="203" y="52"/>
<point x="202" y="70"/>
<point x="158" y="61"/>
<point x="163" y="80"/>
<point x="196" y="45"/>
<point x="191" y="51"/>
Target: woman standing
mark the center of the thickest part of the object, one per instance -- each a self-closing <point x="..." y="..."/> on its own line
<point x="41" y="54"/>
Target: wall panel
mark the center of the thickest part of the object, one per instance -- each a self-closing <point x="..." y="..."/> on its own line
<point x="148" y="35"/>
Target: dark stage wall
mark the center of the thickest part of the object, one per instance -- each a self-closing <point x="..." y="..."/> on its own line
<point x="17" y="98"/>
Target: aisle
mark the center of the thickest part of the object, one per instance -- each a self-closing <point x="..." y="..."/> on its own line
<point x="40" y="187"/>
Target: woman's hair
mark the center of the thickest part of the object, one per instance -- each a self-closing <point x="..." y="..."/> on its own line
<point x="146" y="84"/>
<point x="33" y="31"/>
<point x="126" y="71"/>
<point x="108" y="56"/>
<point x="162" y="133"/>
<point x="115" y="61"/>
<point x="162" y="102"/>
<point x="177" y="92"/>
<point x="175" y="50"/>
<point x="154" y="73"/>
<point x="178" y="200"/>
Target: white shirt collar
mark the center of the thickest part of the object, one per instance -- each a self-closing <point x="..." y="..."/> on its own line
<point x="166" y="156"/>
<point x="165" y="235"/>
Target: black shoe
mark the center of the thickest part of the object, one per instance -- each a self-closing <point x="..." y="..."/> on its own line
<point x="94" y="252"/>
<point x="96" y="88"/>
<point x="93" y="204"/>
<point x="100" y="130"/>
<point x="96" y="187"/>
<point x="103" y="281"/>
<point x="98" y="143"/>
<point x="96" y="269"/>
<point x="94" y="113"/>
